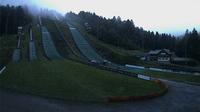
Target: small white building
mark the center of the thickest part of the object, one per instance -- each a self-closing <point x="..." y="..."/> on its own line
<point x="19" y="29"/>
<point x="163" y="55"/>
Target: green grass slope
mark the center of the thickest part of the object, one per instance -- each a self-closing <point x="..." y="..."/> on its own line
<point x="122" y="56"/>
<point x="71" y="81"/>
<point x="110" y="52"/>
<point x="68" y="80"/>
<point x="7" y="45"/>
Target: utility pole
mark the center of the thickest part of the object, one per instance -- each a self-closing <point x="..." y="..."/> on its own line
<point x="7" y="22"/>
<point x="186" y="42"/>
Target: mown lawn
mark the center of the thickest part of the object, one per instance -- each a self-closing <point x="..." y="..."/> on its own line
<point x="7" y="46"/>
<point x="169" y="76"/>
<point x="64" y="79"/>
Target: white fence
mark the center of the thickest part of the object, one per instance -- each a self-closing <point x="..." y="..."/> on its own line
<point x="2" y="70"/>
<point x="144" y="77"/>
<point x="158" y="69"/>
<point x="133" y="66"/>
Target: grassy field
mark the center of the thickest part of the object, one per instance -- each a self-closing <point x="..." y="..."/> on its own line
<point x="7" y="46"/>
<point x="68" y="80"/>
<point x="71" y="81"/>
<point x="169" y="76"/>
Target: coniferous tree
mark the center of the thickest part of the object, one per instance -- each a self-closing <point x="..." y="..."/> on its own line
<point x="126" y="35"/>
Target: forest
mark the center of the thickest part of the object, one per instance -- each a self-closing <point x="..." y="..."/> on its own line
<point x="11" y="17"/>
<point x="125" y="34"/>
<point x="121" y="33"/>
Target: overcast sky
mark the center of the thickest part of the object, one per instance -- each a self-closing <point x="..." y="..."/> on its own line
<point x="169" y="16"/>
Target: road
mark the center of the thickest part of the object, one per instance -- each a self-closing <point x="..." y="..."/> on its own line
<point x="180" y="98"/>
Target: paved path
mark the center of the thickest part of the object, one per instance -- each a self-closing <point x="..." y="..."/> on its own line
<point x="180" y="98"/>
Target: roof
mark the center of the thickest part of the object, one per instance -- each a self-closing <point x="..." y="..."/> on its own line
<point x="19" y="27"/>
<point x="159" y="50"/>
<point x="167" y="51"/>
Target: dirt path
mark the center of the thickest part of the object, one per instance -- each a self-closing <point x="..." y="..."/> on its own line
<point x="180" y="98"/>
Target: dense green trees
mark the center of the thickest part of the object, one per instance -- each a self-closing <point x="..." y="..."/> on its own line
<point x="189" y="45"/>
<point x="11" y="17"/>
<point x="125" y="34"/>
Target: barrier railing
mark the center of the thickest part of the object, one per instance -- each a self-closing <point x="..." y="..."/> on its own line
<point x="1" y="71"/>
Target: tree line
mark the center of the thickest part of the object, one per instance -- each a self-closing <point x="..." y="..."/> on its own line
<point x="189" y="45"/>
<point x="125" y="34"/>
<point x="11" y="17"/>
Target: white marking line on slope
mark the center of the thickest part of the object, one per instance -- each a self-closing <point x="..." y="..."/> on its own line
<point x="72" y="28"/>
<point x="2" y="70"/>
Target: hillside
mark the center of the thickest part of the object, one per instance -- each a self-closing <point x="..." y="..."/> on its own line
<point x="124" y="34"/>
<point x="123" y="56"/>
<point x="71" y="81"/>
<point x="58" y="72"/>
